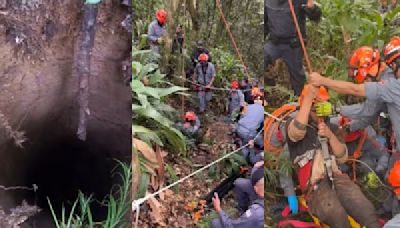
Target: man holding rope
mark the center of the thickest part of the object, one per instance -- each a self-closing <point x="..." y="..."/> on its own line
<point x="385" y="91"/>
<point x="282" y="39"/>
<point x="331" y="195"/>
<point x="253" y="191"/>
<point x="204" y="75"/>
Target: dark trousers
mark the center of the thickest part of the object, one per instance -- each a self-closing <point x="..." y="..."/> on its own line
<point x="332" y="206"/>
<point x="293" y="57"/>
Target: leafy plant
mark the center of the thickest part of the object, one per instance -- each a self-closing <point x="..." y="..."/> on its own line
<point x="227" y="65"/>
<point x="151" y="115"/>
<point x="117" y="204"/>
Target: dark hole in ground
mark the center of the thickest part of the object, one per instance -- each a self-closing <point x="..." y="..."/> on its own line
<point x="61" y="166"/>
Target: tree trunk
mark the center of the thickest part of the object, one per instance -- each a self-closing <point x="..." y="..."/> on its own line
<point x="83" y="65"/>
<point x="193" y="14"/>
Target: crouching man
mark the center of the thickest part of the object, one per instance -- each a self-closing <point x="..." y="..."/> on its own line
<point x="253" y="217"/>
<point x="331" y="195"/>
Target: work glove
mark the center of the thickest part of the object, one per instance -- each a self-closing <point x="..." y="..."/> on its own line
<point x="293" y="204"/>
<point x="323" y="109"/>
<point x="372" y="180"/>
<point x="160" y="40"/>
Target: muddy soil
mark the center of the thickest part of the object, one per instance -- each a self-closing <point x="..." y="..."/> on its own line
<point x="38" y="96"/>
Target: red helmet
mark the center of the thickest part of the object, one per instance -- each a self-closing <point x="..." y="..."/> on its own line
<point x="364" y="62"/>
<point x="190" y="116"/>
<point x="394" y="177"/>
<point x="203" y="57"/>
<point x="352" y="136"/>
<point x="392" y="50"/>
<point x="322" y="94"/>
<point x="235" y="85"/>
<point x="161" y="16"/>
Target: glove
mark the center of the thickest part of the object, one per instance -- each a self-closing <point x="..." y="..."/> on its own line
<point x="160" y="40"/>
<point x="323" y="109"/>
<point x="293" y="204"/>
<point x="372" y="180"/>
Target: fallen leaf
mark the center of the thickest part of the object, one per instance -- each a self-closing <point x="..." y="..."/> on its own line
<point x="157" y="211"/>
<point x="145" y="149"/>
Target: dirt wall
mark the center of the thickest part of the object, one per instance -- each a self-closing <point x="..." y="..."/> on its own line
<point x="38" y="95"/>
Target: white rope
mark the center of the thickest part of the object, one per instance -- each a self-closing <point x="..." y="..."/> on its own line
<point x="136" y="203"/>
<point x="274" y="117"/>
<point x="34" y="188"/>
<point x="211" y="87"/>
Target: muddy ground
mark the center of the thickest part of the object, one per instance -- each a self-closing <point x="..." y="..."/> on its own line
<point x="38" y="97"/>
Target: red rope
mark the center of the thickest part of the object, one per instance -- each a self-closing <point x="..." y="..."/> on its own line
<point x="232" y="38"/>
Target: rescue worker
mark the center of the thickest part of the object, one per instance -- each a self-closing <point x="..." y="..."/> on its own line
<point x="246" y="89"/>
<point x="283" y="41"/>
<point x="178" y="39"/>
<point x="157" y="31"/>
<point x="252" y="120"/>
<point x="204" y="75"/>
<point x="236" y="98"/>
<point x="331" y="195"/>
<point x="251" y="191"/>
<point x="200" y="49"/>
<point x="365" y="66"/>
<point x="255" y="151"/>
<point x="385" y="91"/>
<point x="191" y="125"/>
<point x="363" y="145"/>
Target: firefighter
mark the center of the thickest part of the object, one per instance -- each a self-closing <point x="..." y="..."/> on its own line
<point x="191" y="125"/>
<point x="179" y="38"/>
<point x="364" y="145"/>
<point x="236" y="98"/>
<point x="157" y="31"/>
<point x="204" y="75"/>
<point x="331" y="195"/>
<point x="283" y="41"/>
<point x="385" y="91"/>
<point x="251" y="121"/>
<point x="253" y="192"/>
<point x="365" y="65"/>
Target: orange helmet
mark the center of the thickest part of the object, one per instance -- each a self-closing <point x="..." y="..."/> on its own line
<point x="161" y="16"/>
<point x="392" y="50"/>
<point x="190" y="116"/>
<point x="322" y="94"/>
<point x="394" y="177"/>
<point x="235" y="84"/>
<point x="352" y="136"/>
<point x="364" y="62"/>
<point x="203" y="57"/>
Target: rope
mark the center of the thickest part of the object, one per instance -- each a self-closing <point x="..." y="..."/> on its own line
<point x="136" y="203"/>
<point x="303" y="46"/>
<point x="366" y="165"/>
<point x="33" y="188"/>
<point x="232" y="38"/>
<point x="211" y="87"/>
